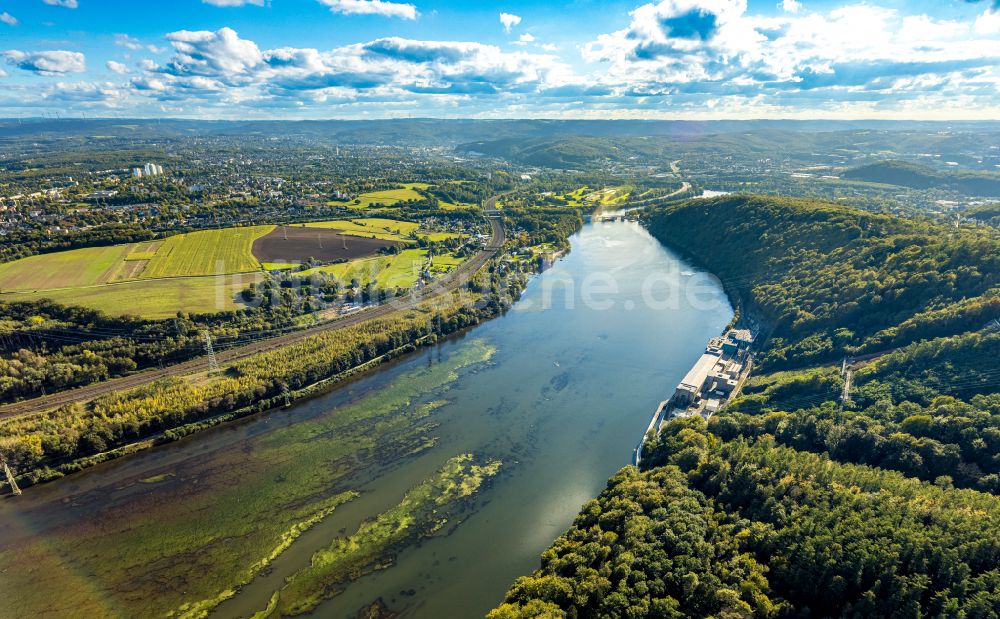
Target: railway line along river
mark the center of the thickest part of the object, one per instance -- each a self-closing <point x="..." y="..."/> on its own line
<point x="424" y="488"/>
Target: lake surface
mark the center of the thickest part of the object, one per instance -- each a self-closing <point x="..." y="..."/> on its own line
<point x="562" y="394"/>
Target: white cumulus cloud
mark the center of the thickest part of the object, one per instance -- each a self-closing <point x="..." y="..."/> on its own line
<point x="116" y="67"/>
<point x="69" y="4"/>
<point x="988" y="22"/>
<point x="509" y="20"/>
<point x="208" y="65"/>
<point x="127" y="42"/>
<point x="212" y="53"/>
<point x="702" y="47"/>
<point x="372" y="7"/>
<point x="54" y="62"/>
<point x="791" y="6"/>
<point x="8" y="19"/>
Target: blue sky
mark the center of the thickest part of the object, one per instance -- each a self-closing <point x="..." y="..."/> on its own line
<point x="584" y="59"/>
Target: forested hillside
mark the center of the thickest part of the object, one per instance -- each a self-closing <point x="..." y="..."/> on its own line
<point x="794" y="501"/>
<point x="921" y="177"/>
<point x="832" y="280"/>
<point x="748" y="528"/>
<point x="568" y="152"/>
<point x="987" y="214"/>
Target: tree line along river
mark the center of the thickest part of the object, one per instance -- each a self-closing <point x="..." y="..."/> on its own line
<point x="428" y="485"/>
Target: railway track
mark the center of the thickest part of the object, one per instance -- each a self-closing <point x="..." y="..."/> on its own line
<point x="446" y="284"/>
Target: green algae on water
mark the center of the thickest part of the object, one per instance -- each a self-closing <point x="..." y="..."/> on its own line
<point x="203" y="527"/>
<point x="425" y="510"/>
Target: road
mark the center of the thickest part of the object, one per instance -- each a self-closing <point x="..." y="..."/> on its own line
<point x="685" y="187"/>
<point x="449" y="282"/>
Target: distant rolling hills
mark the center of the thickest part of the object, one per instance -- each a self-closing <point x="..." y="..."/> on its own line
<point x="922" y="177"/>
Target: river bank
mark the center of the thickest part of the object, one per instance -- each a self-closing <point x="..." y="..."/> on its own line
<point x="557" y="390"/>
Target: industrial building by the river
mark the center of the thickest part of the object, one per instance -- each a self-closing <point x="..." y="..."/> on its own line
<point x="709" y="384"/>
<point x="714" y="377"/>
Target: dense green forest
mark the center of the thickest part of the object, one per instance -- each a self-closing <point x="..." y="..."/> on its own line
<point x="975" y="183"/>
<point x="742" y="528"/>
<point x="986" y="213"/>
<point x="831" y="280"/>
<point x="795" y="501"/>
<point x="930" y="410"/>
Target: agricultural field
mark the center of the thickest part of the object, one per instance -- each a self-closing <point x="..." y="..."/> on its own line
<point x="89" y="266"/>
<point x="388" y="197"/>
<point x="372" y="227"/>
<point x="207" y="252"/>
<point x="153" y="299"/>
<point x="155" y="279"/>
<point x="297" y="244"/>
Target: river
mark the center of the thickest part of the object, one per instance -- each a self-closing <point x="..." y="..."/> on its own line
<point x="559" y="389"/>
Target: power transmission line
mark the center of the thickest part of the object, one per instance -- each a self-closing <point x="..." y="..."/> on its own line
<point x="213" y="363"/>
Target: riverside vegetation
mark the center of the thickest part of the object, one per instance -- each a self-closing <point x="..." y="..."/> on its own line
<point x="45" y="446"/>
<point x="212" y="534"/>
<point x="791" y="502"/>
<point x="54" y="443"/>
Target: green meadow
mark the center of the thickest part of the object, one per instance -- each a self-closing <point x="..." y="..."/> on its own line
<point x="206" y="252"/>
<point x="154" y="299"/>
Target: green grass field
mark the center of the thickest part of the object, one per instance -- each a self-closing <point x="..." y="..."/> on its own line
<point x="575" y="198"/>
<point x="89" y="266"/>
<point x="609" y="195"/>
<point x="438" y="236"/>
<point x="389" y="197"/>
<point x="399" y="271"/>
<point x="207" y="252"/>
<point x="363" y="270"/>
<point x="152" y="298"/>
<point x="404" y="270"/>
<point x="278" y="266"/>
<point x="448" y="206"/>
<point x="443" y="263"/>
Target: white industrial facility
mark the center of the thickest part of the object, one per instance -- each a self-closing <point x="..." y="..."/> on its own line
<point x="716" y="374"/>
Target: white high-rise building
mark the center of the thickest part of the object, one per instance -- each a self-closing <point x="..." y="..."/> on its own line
<point x="151" y="169"/>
